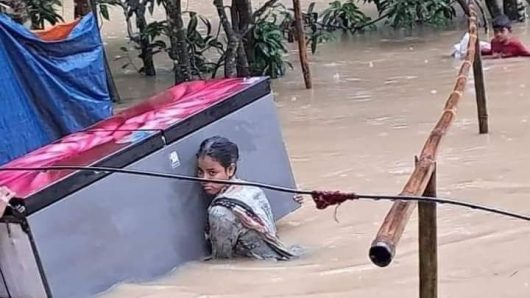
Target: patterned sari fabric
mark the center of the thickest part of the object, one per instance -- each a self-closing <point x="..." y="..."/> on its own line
<point x="240" y="224"/>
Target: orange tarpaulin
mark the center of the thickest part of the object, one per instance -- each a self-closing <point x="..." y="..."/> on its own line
<point x="57" y="32"/>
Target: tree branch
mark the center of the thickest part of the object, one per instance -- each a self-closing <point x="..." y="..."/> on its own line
<point x="257" y="14"/>
<point x="263" y="9"/>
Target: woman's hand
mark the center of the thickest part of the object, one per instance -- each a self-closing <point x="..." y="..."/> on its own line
<point x="299" y="199"/>
<point x="5" y="194"/>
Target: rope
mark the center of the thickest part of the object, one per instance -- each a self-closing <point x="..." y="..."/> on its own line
<point x="322" y="199"/>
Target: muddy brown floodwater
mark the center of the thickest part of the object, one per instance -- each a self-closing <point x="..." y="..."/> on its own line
<point x="375" y="99"/>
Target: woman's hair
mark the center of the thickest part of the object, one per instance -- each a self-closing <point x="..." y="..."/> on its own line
<point x="221" y="149"/>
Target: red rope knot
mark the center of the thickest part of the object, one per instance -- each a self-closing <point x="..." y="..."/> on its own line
<point x="324" y="199"/>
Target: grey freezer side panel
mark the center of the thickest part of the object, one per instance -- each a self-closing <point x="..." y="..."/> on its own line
<point x="20" y="274"/>
<point x="127" y="228"/>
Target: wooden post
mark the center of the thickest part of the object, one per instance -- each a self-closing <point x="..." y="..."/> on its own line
<point x="302" y="48"/>
<point x="428" y="249"/>
<point x="480" y="90"/>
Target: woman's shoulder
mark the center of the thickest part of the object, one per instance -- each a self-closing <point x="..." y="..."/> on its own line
<point x="247" y="189"/>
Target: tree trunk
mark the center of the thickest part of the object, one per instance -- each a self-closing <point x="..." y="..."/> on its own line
<point x="233" y="41"/>
<point x="81" y="8"/>
<point x="510" y="9"/>
<point x="493" y="8"/>
<point x="302" y="46"/>
<point x="179" y="47"/>
<point x="243" y="67"/>
<point x="238" y="18"/>
<point x="146" y="51"/>
<point x="234" y="16"/>
<point x="244" y="8"/>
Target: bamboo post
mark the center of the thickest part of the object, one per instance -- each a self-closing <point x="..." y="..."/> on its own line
<point x="480" y="91"/>
<point x="302" y="47"/>
<point x="428" y="250"/>
<point x="383" y="247"/>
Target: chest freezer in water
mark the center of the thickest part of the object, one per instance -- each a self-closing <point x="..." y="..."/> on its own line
<point x="84" y="232"/>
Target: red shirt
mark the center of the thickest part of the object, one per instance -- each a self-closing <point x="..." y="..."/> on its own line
<point x="510" y="48"/>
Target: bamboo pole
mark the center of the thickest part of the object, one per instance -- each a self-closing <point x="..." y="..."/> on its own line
<point x="480" y="90"/>
<point x="302" y="47"/>
<point x="428" y="250"/>
<point x="383" y="247"/>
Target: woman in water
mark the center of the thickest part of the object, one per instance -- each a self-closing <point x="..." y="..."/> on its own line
<point x="240" y="221"/>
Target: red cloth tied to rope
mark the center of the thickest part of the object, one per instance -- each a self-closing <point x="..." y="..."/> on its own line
<point x="324" y="199"/>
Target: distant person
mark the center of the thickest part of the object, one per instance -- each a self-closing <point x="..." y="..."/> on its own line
<point x="504" y="44"/>
<point x="240" y="220"/>
<point x="459" y="50"/>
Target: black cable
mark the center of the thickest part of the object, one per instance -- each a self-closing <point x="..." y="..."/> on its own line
<point x="448" y="202"/>
<point x="273" y="187"/>
<point x="158" y="175"/>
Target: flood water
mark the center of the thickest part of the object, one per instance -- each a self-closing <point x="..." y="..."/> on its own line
<point x="374" y="102"/>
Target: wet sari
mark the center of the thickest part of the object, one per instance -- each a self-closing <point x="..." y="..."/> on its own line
<point x="241" y="224"/>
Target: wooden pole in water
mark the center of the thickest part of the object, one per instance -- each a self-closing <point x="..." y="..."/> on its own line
<point x="302" y="48"/>
<point x="480" y="90"/>
<point x="428" y="242"/>
<point x="384" y="245"/>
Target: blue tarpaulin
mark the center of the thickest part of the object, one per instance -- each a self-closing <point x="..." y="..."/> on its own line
<point x="49" y="89"/>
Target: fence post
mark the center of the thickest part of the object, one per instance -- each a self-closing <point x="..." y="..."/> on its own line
<point x="428" y="250"/>
<point x="302" y="47"/>
<point x="480" y="90"/>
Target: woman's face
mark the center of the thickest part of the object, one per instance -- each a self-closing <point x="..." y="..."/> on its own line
<point x="209" y="168"/>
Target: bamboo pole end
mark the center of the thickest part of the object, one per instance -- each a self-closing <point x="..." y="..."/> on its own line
<point x="381" y="253"/>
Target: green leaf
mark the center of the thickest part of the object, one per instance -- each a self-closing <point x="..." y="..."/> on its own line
<point x="161" y="44"/>
<point x="207" y="23"/>
<point x="104" y="12"/>
<point x="314" y="44"/>
<point x="192" y="24"/>
<point x="151" y="7"/>
<point x="311" y="8"/>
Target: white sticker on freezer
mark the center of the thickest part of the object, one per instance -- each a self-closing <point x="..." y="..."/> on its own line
<point x="174" y="159"/>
